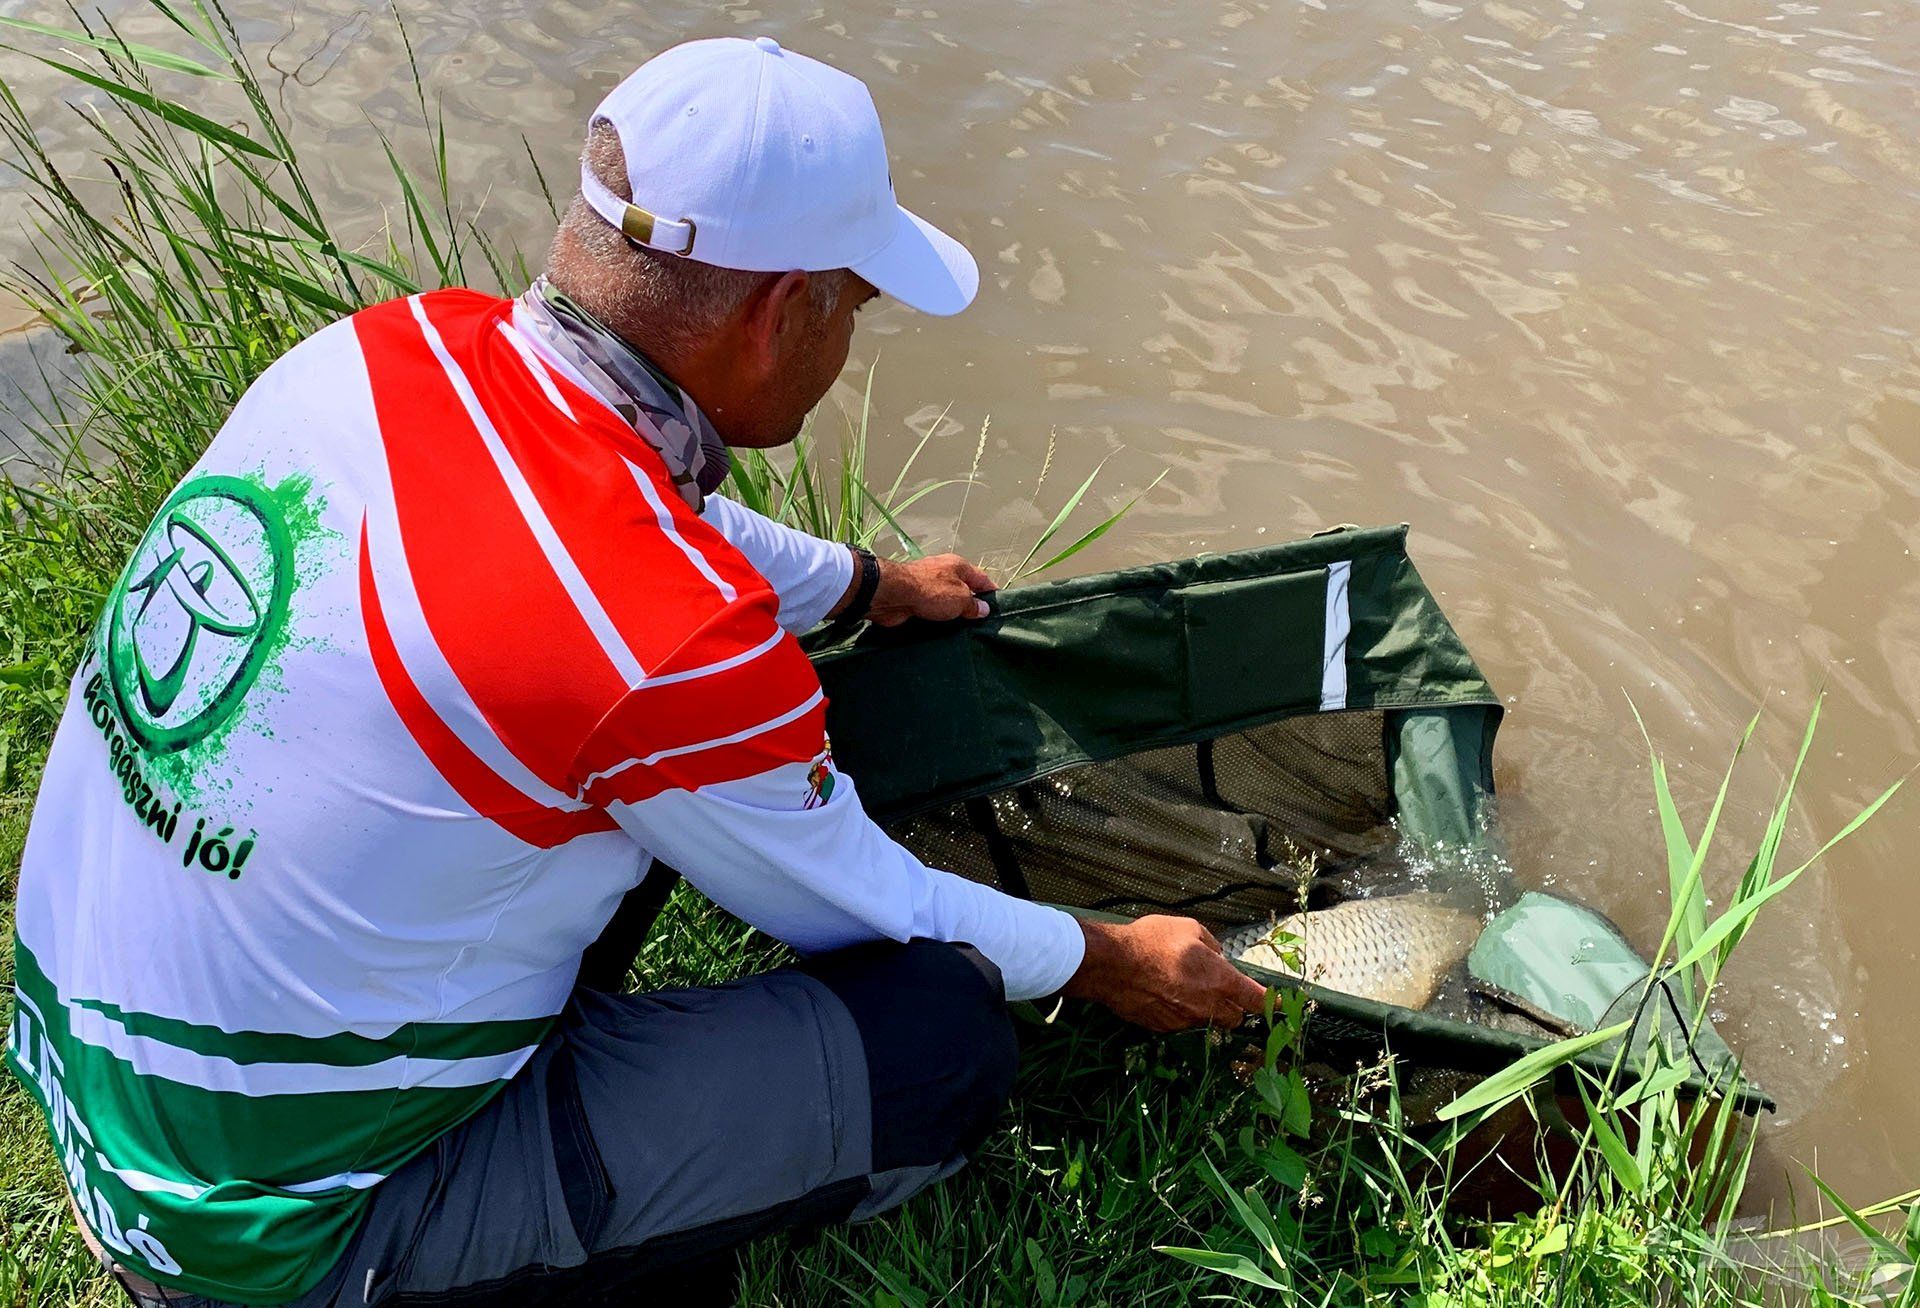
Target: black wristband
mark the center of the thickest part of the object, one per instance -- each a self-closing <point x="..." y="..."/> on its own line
<point x="864" y="592"/>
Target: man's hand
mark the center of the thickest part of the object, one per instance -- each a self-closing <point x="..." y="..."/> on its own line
<point x="938" y="589"/>
<point x="1163" y="973"/>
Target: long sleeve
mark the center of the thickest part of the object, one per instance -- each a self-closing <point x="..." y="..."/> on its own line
<point x="719" y="765"/>
<point x="809" y="575"/>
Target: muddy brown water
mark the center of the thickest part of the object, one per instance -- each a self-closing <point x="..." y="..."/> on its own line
<point x="1616" y="304"/>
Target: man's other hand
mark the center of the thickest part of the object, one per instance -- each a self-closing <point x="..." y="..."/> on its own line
<point x="938" y="589"/>
<point x="1163" y="973"/>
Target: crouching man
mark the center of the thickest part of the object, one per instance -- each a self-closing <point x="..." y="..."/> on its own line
<point x="410" y="682"/>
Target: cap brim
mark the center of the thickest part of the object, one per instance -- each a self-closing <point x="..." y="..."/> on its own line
<point x="923" y="268"/>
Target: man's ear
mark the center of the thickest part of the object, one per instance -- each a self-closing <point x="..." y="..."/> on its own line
<point x="775" y="317"/>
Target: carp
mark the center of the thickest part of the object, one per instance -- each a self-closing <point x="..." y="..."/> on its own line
<point x="1395" y="949"/>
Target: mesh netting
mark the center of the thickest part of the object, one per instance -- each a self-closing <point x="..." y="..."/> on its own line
<point x="1229" y="830"/>
<point x="1243" y="828"/>
<point x="1050" y="751"/>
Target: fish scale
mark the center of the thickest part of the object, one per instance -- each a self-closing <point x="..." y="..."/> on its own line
<point x="1395" y="949"/>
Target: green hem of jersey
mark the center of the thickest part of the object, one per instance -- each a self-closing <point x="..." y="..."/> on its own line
<point x="313" y="1270"/>
<point x="89" y="1155"/>
<point x="430" y="1040"/>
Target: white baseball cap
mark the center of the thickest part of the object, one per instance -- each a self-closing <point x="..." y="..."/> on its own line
<point x="745" y="155"/>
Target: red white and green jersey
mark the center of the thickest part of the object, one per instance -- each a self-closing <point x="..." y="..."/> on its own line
<point x="400" y="692"/>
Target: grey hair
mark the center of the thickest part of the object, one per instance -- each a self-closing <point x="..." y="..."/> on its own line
<point x="664" y="304"/>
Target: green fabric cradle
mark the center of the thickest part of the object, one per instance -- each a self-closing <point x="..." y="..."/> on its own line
<point x="1225" y="736"/>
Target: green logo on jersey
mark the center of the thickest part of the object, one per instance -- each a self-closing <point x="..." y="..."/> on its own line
<point x="192" y="617"/>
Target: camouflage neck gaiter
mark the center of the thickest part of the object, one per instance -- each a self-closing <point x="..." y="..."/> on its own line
<point x="661" y="413"/>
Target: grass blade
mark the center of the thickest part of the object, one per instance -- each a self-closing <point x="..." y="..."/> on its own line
<point x="145" y="55"/>
<point x="1516" y="1079"/>
<point x="1238" y="1266"/>
<point x="1095" y="534"/>
<point x="178" y="115"/>
<point x="1059" y="520"/>
<point x="1688" y="896"/>
<point x="1733" y="923"/>
<point x="1613" y="1146"/>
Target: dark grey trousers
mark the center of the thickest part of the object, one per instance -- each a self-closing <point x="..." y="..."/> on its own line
<point x="652" y="1134"/>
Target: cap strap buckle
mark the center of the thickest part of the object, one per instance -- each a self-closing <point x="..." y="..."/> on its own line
<point x="635" y="223"/>
<point x="649" y="230"/>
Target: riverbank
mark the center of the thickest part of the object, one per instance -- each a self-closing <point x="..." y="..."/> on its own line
<point x="1117" y="1148"/>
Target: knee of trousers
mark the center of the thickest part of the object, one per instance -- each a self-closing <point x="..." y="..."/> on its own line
<point x="978" y="1032"/>
<point x="941" y="1051"/>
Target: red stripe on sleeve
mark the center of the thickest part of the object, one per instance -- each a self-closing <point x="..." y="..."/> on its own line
<point x="797" y="741"/>
<point x="660" y="717"/>
<point x="479" y="785"/>
<point x="676" y="729"/>
<point x="491" y="598"/>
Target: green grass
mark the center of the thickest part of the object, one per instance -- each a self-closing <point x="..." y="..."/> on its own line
<point x="843" y="503"/>
<point x="1130" y="1170"/>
